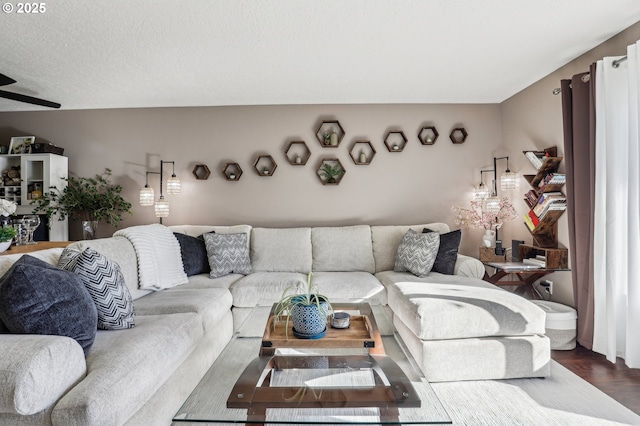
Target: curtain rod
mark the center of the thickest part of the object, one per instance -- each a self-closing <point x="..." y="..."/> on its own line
<point x="614" y="64"/>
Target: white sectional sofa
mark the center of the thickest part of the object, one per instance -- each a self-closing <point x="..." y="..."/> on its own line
<point x="457" y="327"/>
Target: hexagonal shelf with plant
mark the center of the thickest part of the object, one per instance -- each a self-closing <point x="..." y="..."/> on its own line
<point x="265" y="165"/>
<point x="331" y="171"/>
<point x="330" y="134"/>
<point x="232" y="171"/>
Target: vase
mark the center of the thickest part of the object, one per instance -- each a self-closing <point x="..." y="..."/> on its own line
<point x="309" y="321"/>
<point x="89" y="229"/>
<point x="4" y="245"/>
<point x="489" y="238"/>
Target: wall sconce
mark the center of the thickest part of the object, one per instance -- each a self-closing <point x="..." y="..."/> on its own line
<point x="490" y="200"/>
<point x="507" y="183"/>
<point x="147" y="196"/>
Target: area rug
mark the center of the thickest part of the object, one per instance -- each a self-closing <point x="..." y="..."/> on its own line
<point x="562" y="399"/>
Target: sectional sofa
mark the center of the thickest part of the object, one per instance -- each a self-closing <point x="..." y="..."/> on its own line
<point x="456" y="326"/>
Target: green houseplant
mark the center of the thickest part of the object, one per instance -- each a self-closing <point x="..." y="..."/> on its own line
<point x="331" y="173"/>
<point x="307" y="311"/>
<point x="91" y="200"/>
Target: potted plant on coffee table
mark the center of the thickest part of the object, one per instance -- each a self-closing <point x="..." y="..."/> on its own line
<point x="91" y="200"/>
<point x="307" y="311"/>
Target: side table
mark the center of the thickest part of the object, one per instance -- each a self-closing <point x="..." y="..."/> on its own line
<point x="526" y="274"/>
<point x="30" y="248"/>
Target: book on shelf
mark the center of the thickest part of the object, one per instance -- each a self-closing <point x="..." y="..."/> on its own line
<point x="534" y="261"/>
<point x="534" y="218"/>
<point x="529" y="222"/>
<point x="553" y="207"/>
<point x="531" y="198"/>
<point x="536" y="158"/>
<point x="548" y="199"/>
<point x="553" y="179"/>
<point x="513" y="266"/>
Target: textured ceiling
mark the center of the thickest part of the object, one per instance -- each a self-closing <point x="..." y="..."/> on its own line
<point x="154" y="53"/>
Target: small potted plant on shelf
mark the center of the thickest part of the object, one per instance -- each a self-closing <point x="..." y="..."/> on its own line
<point x="331" y="173"/>
<point x="307" y="311"/>
<point x="90" y="200"/>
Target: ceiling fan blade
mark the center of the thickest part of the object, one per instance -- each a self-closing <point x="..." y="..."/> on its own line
<point x="5" y="81"/>
<point x="28" y="99"/>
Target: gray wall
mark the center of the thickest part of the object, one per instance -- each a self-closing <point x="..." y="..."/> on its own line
<point x="417" y="185"/>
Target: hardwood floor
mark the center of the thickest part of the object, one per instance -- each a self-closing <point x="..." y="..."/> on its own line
<point x="616" y="380"/>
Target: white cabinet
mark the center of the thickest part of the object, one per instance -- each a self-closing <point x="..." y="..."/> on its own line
<point x="37" y="174"/>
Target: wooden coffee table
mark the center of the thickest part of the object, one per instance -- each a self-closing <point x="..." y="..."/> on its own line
<point x="364" y="376"/>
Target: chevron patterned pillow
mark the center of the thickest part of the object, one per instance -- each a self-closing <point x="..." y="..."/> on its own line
<point x="104" y="280"/>
<point x="417" y="253"/>
<point x="228" y="254"/>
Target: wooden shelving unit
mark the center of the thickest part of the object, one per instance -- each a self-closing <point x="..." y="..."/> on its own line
<point x="545" y="232"/>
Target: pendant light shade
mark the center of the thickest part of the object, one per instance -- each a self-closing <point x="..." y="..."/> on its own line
<point x="482" y="192"/>
<point x="508" y="180"/>
<point x="492" y="205"/>
<point x="173" y="185"/>
<point x="147" y="196"/>
<point x="162" y="207"/>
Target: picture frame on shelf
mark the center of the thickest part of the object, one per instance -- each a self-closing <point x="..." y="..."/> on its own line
<point x="21" y="144"/>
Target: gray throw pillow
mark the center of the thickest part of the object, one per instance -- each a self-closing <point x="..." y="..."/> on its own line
<point x="417" y="253"/>
<point x="228" y="254"/>
<point x="38" y="298"/>
<point x="104" y="280"/>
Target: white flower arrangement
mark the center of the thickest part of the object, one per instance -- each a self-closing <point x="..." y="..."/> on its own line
<point x="7" y="207"/>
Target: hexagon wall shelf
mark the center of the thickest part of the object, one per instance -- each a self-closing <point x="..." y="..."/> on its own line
<point x="332" y="162"/>
<point x="232" y="171"/>
<point x="362" y="153"/>
<point x="428" y="135"/>
<point x="201" y="172"/>
<point x="297" y="153"/>
<point x="325" y="132"/>
<point x="395" y="141"/>
<point x="265" y="165"/>
<point x="458" y="135"/>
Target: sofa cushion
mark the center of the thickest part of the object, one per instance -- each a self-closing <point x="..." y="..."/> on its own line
<point x="205" y="281"/>
<point x="125" y="367"/>
<point x="211" y="304"/>
<point x="386" y="240"/>
<point x="281" y="250"/>
<point x="38" y="298"/>
<point x="350" y="286"/>
<point x="35" y="371"/>
<point x="417" y="253"/>
<point x="447" y="251"/>
<point x="449" y="307"/>
<point x="227" y="253"/>
<point x="121" y="251"/>
<point x="194" y="254"/>
<point x="344" y="248"/>
<point x="105" y="283"/>
<point x="265" y="287"/>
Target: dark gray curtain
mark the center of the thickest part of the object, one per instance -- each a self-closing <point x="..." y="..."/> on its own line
<point x="578" y="114"/>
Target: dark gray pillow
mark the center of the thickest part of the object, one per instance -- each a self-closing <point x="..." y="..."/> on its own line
<point x="194" y="254"/>
<point x="228" y="254"/>
<point x="447" y="252"/>
<point x="38" y="298"/>
<point x="105" y="282"/>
